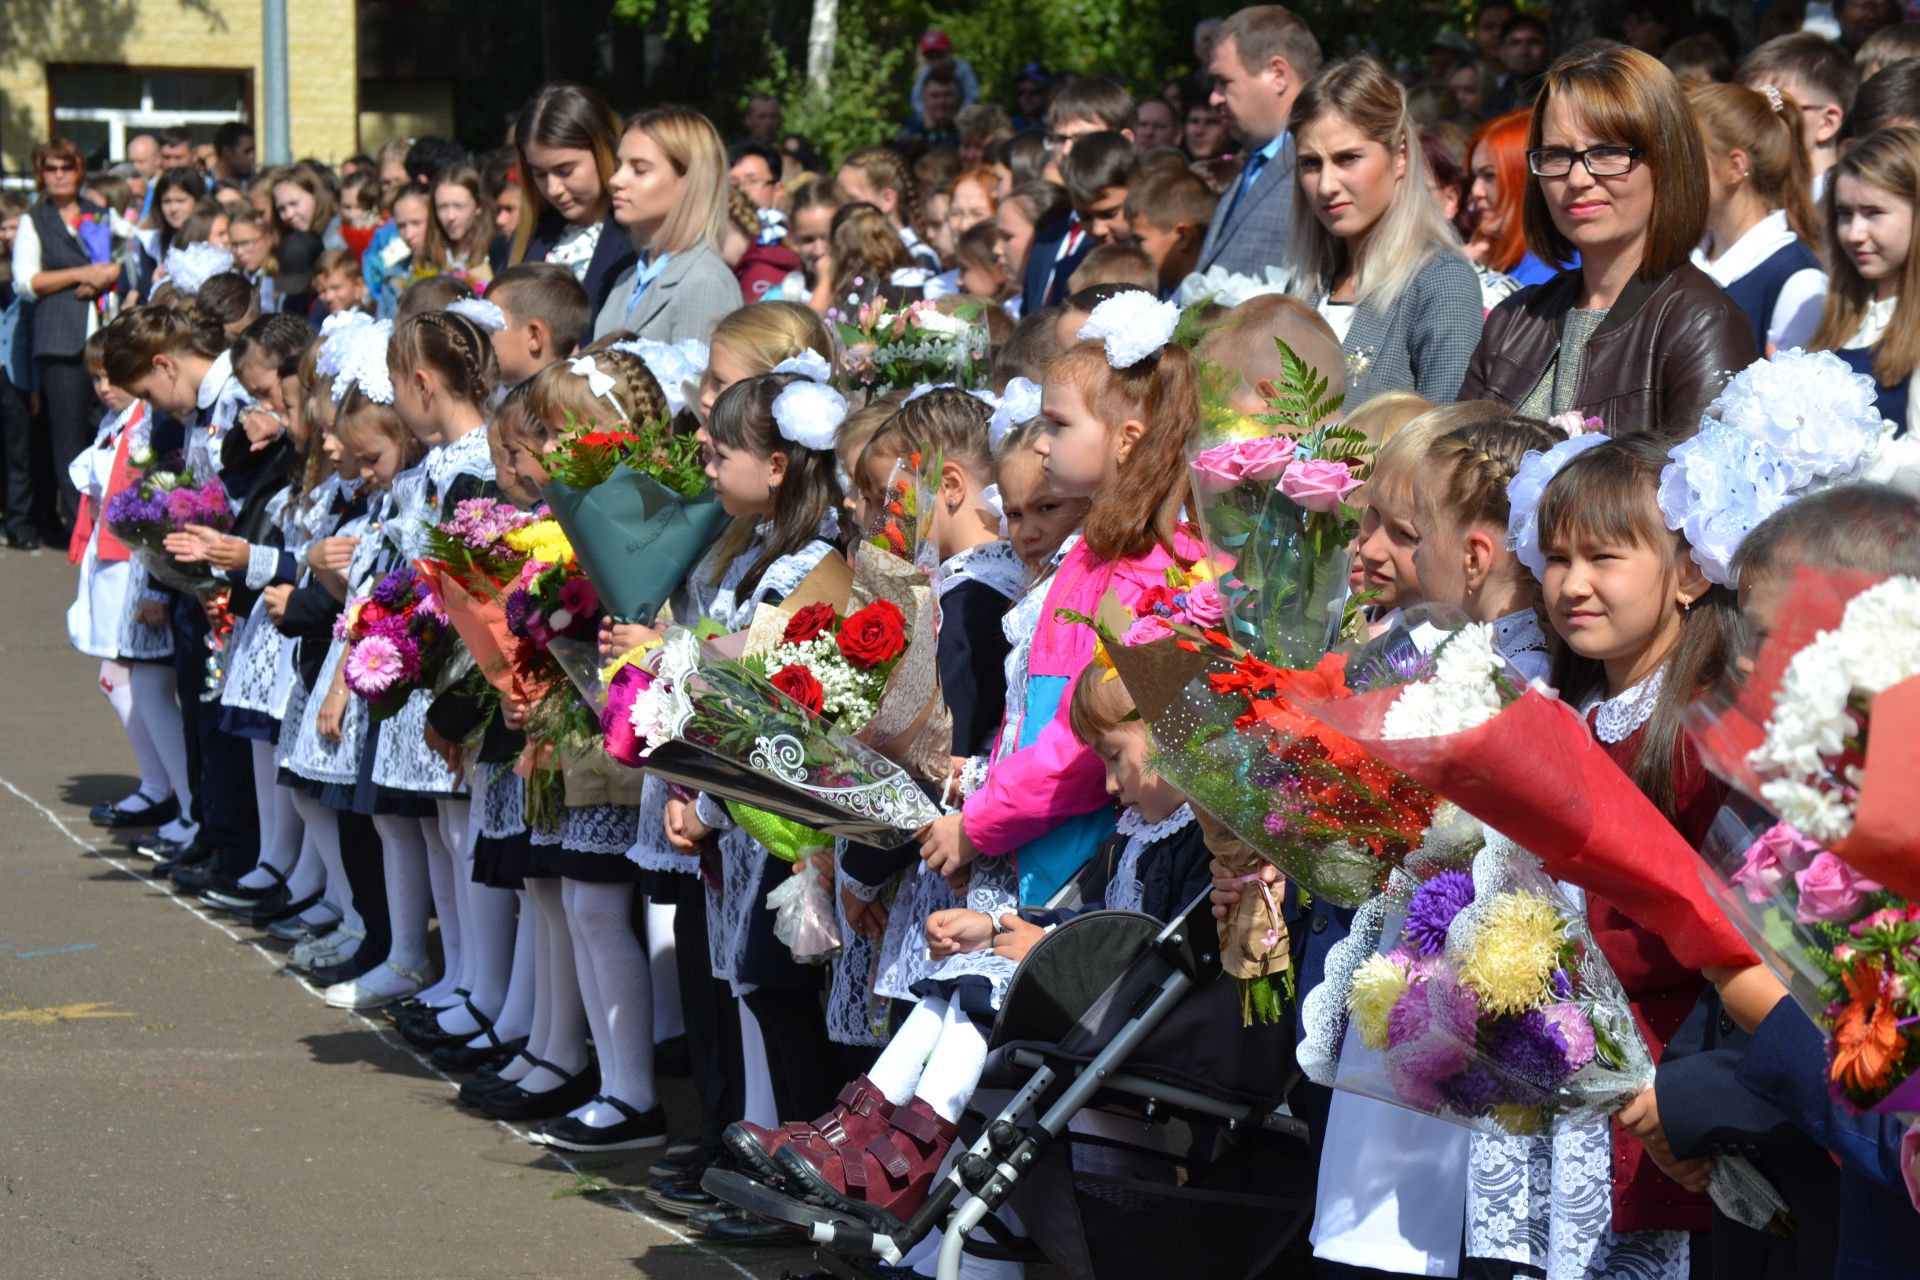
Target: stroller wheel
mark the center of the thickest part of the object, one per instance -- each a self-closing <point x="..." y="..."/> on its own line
<point x="800" y="1178"/>
<point x="753" y="1157"/>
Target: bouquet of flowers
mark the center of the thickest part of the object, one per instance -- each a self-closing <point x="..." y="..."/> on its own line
<point x="395" y="636"/>
<point x="1473" y="991"/>
<point x="1523" y="762"/>
<point x="472" y="567"/>
<point x="637" y="509"/>
<point x="919" y="343"/>
<point x="161" y="502"/>
<point x="694" y="716"/>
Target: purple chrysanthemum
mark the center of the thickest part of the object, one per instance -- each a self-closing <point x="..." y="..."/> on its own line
<point x="1430" y="1039"/>
<point x="183" y="506"/>
<point x="1562" y="984"/>
<point x="1433" y="908"/>
<point x="392" y="589"/>
<point x="1531" y="1047"/>
<point x="518" y="609"/>
<point x="1575" y="1032"/>
<point x="1476" y="1092"/>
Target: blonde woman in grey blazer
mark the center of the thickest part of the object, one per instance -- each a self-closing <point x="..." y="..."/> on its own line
<point x="669" y="190"/>
<point x="1369" y="247"/>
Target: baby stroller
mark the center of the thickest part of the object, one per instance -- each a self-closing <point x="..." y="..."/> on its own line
<point x="1116" y="1011"/>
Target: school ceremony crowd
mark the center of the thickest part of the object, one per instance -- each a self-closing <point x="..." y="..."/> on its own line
<point x="1400" y="562"/>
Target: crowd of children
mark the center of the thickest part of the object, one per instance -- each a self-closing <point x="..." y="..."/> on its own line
<point x="365" y="355"/>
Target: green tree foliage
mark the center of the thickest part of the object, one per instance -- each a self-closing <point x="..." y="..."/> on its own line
<point x="866" y="102"/>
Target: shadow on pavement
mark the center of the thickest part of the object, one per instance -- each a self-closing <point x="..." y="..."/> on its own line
<point x="343" y="1048"/>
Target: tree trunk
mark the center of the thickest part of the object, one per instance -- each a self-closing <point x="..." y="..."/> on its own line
<point x="821" y="33"/>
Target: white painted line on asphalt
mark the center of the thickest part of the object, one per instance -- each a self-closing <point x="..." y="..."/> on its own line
<point x="192" y="907"/>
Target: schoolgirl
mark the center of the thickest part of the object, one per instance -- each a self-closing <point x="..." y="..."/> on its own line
<point x="442" y="369"/>
<point x="462" y="225"/>
<point x="1762" y="223"/>
<point x="120" y="617"/>
<point x="1872" y="315"/>
<point x="565" y="138"/>
<point x="879" y="177"/>
<point x="1117" y="408"/>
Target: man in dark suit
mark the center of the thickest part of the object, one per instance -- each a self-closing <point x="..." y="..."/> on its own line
<point x="1262" y="58"/>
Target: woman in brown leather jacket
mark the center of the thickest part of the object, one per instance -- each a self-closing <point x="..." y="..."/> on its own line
<point x="1636" y="335"/>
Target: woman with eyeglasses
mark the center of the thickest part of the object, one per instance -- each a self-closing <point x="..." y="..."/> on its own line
<point x="55" y="269"/>
<point x="1635" y="335"/>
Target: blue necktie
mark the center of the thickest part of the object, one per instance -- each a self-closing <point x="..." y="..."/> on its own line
<point x="1248" y="176"/>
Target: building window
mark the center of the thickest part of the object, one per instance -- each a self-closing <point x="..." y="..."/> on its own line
<point x="101" y="107"/>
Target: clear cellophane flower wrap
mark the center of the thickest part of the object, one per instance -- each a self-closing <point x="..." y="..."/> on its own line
<point x="697" y="716"/>
<point x="1530" y="768"/>
<point x="1229" y="732"/>
<point x="1473" y="991"/>
<point x="1822" y="733"/>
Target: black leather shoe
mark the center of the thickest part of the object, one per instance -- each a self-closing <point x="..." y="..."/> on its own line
<point x="426" y="1033"/>
<point x="737" y="1226"/>
<point x="227" y="893"/>
<point x="689" y="1162"/>
<point x="460" y="1058"/>
<point x="680" y="1196"/>
<point x="670" y="1058"/>
<point x="515" y="1103"/>
<point x="487" y="1080"/>
<point x="194" y="874"/>
<point x="25" y="540"/>
<point x="637" y="1131"/>
<point x="155" y="813"/>
<point x="157" y="849"/>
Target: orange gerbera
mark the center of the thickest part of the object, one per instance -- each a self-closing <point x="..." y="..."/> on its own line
<point x="1867" y="1040"/>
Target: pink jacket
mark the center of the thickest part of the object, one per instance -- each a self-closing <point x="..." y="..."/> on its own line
<point x="1034" y="789"/>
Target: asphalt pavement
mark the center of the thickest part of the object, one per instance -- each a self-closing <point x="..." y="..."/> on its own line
<point x="177" y="1106"/>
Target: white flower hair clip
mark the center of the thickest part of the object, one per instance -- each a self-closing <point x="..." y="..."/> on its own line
<point x="1019" y="403"/>
<point x="773" y="226"/>
<point x="193" y="265"/>
<point x="1524" y="491"/>
<point x="364" y="364"/>
<point x="336" y="339"/>
<point x="1783" y="428"/>
<point x="808" y="364"/>
<point x="923" y="388"/>
<point x="487" y="315"/>
<point x="676" y="366"/>
<point x="599" y="382"/>
<point x="809" y="414"/>
<point x="1134" y="326"/>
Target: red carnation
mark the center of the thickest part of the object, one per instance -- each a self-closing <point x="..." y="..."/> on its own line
<point x="808" y="623"/>
<point x="798" y="683"/>
<point x="876" y="634"/>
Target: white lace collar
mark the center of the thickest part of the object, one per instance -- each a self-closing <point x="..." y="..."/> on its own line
<point x="1617" y="718"/>
<point x="1137" y="829"/>
<point x="469" y="455"/>
<point x="991" y="564"/>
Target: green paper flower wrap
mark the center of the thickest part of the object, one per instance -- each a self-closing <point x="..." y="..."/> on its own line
<point x="636" y="538"/>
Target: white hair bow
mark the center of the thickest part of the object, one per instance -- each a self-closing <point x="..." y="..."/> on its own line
<point x="598" y="382"/>
<point x="1133" y="325"/>
<point x="809" y="414"/>
<point x="808" y="364"/>
<point x="1019" y="403"/>
<point x="487" y="315"/>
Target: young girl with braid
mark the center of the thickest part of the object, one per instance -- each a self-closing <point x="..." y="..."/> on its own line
<point x="879" y="177"/>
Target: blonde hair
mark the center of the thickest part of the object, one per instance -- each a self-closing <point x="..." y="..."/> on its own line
<point x="765" y="333"/>
<point x="1410" y="231"/>
<point x="693" y="147"/>
<point x="1381" y="418"/>
<point x="563" y="400"/>
<point x="1402" y="457"/>
<point x="948" y="423"/>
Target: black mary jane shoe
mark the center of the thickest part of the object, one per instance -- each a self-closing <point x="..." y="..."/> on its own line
<point x="462" y="1058"/>
<point x="728" y="1225"/>
<point x="228" y="894"/>
<point x="487" y="1080"/>
<point x="423" y="1030"/>
<point x="515" y="1103"/>
<point x="193" y="875"/>
<point x="275" y="907"/>
<point x="637" y="1131"/>
<point x="115" y="816"/>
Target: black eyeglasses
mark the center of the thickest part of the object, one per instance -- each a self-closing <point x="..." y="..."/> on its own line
<point x="1601" y="162"/>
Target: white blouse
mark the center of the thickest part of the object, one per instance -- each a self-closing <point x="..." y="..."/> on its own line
<point x="1796" y="313"/>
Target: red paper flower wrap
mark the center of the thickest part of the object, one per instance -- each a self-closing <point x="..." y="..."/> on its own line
<point x="1535" y="774"/>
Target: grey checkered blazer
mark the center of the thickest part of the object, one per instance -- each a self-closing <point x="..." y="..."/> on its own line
<point x="1254" y="237"/>
<point x="1421" y="343"/>
<point x="690" y="296"/>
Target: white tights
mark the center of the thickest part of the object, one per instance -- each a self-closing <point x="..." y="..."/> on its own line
<point x="141" y="694"/>
<point x="936" y="1056"/>
<point x="617" y="991"/>
<point x="559" y="1031"/>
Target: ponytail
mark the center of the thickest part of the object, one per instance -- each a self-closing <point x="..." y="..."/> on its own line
<point x="1765" y="124"/>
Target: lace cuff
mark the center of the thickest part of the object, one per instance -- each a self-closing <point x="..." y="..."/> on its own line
<point x="859" y="889"/>
<point x="262" y="564"/>
<point x="712" y="812"/>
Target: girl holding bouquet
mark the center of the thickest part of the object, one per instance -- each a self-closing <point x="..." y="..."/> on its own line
<point x="120" y="617"/>
<point x="770" y="455"/>
<point x="442" y="370"/>
<point x="752" y="340"/>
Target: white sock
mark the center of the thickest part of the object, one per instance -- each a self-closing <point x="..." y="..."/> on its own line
<point x="445" y="889"/>
<point x="403" y="858"/>
<point x="516" y="1010"/>
<point x="953" y="1070"/>
<point x="760" y="1107"/>
<point x="323" y="829"/>
<point x="157" y="711"/>
<point x="896" y="1073"/>
<point x="566" y="1043"/>
<point x="601" y="916"/>
<point x="663" y="965"/>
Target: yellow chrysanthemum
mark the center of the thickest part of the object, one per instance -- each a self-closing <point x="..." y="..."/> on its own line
<point x="1518" y="1120"/>
<point x="544" y="540"/>
<point x="1514" y="953"/>
<point x="1377" y="987"/>
<point x="639" y="651"/>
